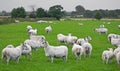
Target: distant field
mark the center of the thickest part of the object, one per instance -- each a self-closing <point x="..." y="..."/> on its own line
<point x="16" y="34"/>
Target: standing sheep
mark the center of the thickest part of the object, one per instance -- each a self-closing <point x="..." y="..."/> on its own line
<point x="55" y="51"/>
<point x="107" y="55"/>
<point x="77" y="51"/>
<point x="87" y="49"/>
<point x="12" y="53"/>
<point x="48" y="29"/>
<point x="29" y="28"/>
<point x="27" y="51"/>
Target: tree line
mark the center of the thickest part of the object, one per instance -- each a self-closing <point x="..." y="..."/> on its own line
<point x="58" y="12"/>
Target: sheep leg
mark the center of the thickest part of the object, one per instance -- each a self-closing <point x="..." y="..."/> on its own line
<point x="51" y="59"/>
<point x="8" y="59"/>
<point x="3" y="58"/>
<point x="30" y="55"/>
<point x="107" y="61"/>
<point x="17" y="59"/>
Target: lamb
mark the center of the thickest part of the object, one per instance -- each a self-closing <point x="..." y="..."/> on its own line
<point x="34" y="43"/>
<point x="77" y="51"/>
<point x="12" y="53"/>
<point x="29" y="28"/>
<point x="101" y="30"/>
<point x="107" y="55"/>
<point x="55" y="51"/>
<point x="48" y="29"/>
<point x="32" y="32"/>
<point x="87" y="49"/>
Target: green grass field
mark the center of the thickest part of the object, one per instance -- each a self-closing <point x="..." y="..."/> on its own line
<point x="16" y="34"/>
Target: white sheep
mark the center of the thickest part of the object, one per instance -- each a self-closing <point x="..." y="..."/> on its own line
<point x="55" y="51"/>
<point x="77" y="51"/>
<point x="35" y="44"/>
<point x="37" y="37"/>
<point x="80" y="41"/>
<point x="29" y="27"/>
<point x="112" y="35"/>
<point x="101" y="30"/>
<point x="87" y="49"/>
<point x="32" y="32"/>
<point x="71" y="39"/>
<point x="115" y="41"/>
<point x="107" y="55"/>
<point x="48" y="29"/>
<point x="61" y="38"/>
<point x="27" y="51"/>
<point x="12" y="53"/>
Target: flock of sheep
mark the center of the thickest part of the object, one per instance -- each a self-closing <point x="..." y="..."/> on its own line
<point x="108" y="55"/>
<point x="80" y="46"/>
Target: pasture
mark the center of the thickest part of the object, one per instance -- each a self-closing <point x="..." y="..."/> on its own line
<point x="16" y="34"/>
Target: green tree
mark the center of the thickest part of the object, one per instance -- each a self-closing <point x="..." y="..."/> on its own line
<point x="80" y="10"/>
<point x="97" y="15"/>
<point x="56" y="11"/>
<point x="40" y="12"/>
<point x="18" y="12"/>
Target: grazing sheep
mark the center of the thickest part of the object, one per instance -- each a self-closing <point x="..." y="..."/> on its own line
<point x="27" y="51"/>
<point x="87" y="49"/>
<point x="115" y="41"/>
<point x="101" y="30"/>
<point x="80" y="24"/>
<point x="77" y="51"/>
<point x="32" y="32"/>
<point x="12" y="53"/>
<point x="55" y="51"/>
<point x="61" y="38"/>
<point x="48" y="29"/>
<point x="71" y="39"/>
<point x="34" y="44"/>
<point x="107" y="55"/>
<point x="17" y="21"/>
<point x="80" y="41"/>
<point x="111" y="36"/>
<point x="29" y="28"/>
<point x="37" y="38"/>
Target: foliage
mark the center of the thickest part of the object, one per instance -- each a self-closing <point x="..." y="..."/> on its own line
<point x="98" y="15"/>
<point x="18" y="12"/>
<point x="80" y="10"/>
<point x="41" y="13"/>
<point x="56" y="11"/>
